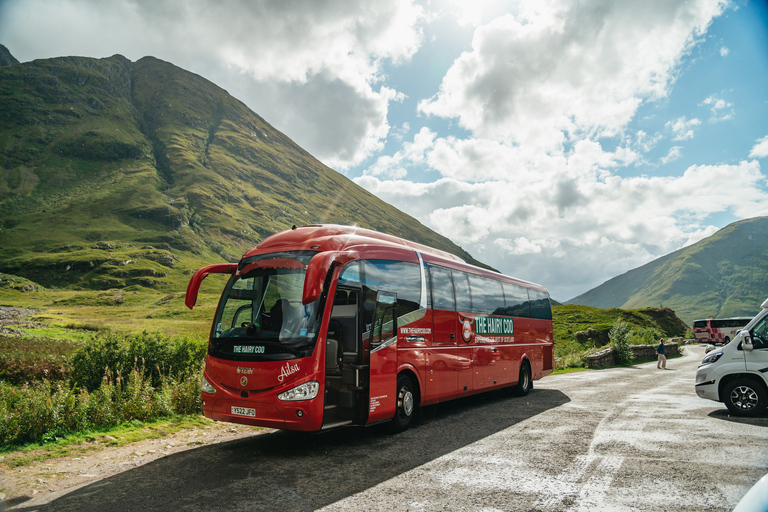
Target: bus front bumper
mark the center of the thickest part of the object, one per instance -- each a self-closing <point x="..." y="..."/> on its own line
<point x="290" y="416"/>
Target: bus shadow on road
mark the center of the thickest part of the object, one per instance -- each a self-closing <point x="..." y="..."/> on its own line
<point x="289" y="471"/>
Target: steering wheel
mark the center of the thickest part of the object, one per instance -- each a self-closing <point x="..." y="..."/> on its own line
<point x="249" y="328"/>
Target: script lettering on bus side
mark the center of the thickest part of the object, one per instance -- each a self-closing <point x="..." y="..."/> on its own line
<point x="287" y="371"/>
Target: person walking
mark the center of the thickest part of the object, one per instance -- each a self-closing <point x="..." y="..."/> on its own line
<point x="662" y="362"/>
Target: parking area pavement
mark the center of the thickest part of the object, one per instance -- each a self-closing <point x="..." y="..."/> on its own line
<point x="633" y="438"/>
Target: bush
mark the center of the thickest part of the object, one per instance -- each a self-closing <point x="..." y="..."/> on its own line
<point x="619" y="341"/>
<point x="644" y="336"/>
<point x="163" y="378"/>
<point x="159" y="356"/>
<point x="43" y="411"/>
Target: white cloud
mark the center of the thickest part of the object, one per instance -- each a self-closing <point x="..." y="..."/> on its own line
<point x="700" y="234"/>
<point x="579" y="230"/>
<point x="312" y="69"/>
<point x="724" y="51"/>
<point x="760" y="149"/>
<point x="682" y="128"/>
<point x="560" y="69"/>
<point x="721" y="109"/>
<point x="674" y="154"/>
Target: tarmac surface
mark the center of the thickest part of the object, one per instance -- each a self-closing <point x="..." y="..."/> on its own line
<point x="633" y="438"/>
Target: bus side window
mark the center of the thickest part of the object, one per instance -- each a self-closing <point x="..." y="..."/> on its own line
<point x="442" y="289"/>
<point x="487" y="295"/>
<point x="463" y="295"/>
<point x="516" y="300"/>
<point x="384" y="320"/>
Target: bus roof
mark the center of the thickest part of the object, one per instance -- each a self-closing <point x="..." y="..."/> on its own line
<point x="729" y="318"/>
<point x="334" y="237"/>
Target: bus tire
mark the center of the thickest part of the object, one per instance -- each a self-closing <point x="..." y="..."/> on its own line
<point x="745" y="397"/>
<point x="726" y="340"/>
<point x="405" y="407"/>
<point x="524" y="381"/>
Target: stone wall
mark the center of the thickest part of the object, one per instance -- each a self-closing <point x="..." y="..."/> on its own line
<point x="641" y="353"/>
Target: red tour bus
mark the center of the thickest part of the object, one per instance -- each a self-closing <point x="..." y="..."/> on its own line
<point x="322" y="326"/>
<point x="718" y="330"/>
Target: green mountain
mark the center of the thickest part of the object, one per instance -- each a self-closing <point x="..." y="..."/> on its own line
<point x="116" y="174"/>
<point x="723" y="275"/>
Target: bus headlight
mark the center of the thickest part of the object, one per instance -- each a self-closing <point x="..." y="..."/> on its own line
<point x="207" y="387"/>
<point x="306" y="391"/>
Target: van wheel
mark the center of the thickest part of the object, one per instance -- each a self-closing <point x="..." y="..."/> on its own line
<point x="406" y="404"/>
<point x="745" y="397"/>
<point x="524" y="382"/>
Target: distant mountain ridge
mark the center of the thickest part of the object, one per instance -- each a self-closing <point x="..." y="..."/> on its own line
<point x="723" y="275"/>
<point x="116" y="173"/>
<point x="6" y="59"/>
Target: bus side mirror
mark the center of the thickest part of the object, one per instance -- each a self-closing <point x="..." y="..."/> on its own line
<point x="317" y="269"/>
<point x="194" y="284"/>
<point x="746" y="343"/>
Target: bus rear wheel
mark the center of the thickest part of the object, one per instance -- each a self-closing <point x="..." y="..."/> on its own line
<point x="524" y="382"/>
<point x="406" y="404"/>
<point x="745" y="397"/>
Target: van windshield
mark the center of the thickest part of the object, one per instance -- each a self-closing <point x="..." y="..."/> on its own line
<point x="261" y="317"/>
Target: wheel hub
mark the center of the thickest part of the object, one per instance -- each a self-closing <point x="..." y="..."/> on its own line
<point x="407" y="402"/>
<point x="745" y="398"/>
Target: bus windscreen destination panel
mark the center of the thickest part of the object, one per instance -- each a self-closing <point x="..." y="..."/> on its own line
<point x="489" y="325"/>
<point x="248" y="349"/>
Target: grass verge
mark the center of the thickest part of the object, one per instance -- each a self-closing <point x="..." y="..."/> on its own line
<point x="80" y="443"/>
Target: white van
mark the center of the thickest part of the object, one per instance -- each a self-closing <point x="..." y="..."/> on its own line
<point x="737" y="373"/>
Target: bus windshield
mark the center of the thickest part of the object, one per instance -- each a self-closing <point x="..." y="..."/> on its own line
<point x="261" y="317"/>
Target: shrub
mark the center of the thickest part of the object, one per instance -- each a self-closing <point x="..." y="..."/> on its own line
<point x="644" y="336"/>
<point x="619" y="341"/>
<point x="160" y="355"/>
<point x="163" y="378"/>
<point x="572" y="360"/>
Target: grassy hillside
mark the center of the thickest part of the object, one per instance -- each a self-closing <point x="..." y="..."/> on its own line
<point x="723" y="275"/>
<point x="581" y="329"/>
<point x="122" y="175"/>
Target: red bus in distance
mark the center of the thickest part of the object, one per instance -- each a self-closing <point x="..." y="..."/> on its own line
<point x="718" y="330"/>
<point x="326" y="325"/>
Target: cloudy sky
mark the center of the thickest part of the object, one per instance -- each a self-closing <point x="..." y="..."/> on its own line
<point x="563" y="142"/>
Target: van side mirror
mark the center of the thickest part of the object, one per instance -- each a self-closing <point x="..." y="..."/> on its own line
<point x="746" y="343"/>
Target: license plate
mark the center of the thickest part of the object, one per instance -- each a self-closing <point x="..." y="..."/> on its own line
<point x="243" y="411"/>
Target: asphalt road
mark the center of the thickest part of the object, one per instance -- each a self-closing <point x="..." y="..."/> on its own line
<point x="622" y="439"/>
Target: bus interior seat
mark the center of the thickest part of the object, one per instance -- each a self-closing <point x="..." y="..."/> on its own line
<point x="332" y="357"/>
<point x="343" y="326"/>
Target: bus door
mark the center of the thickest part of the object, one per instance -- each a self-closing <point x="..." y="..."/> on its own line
<point x="383" y="358"/>
<point x="344" y="370"/>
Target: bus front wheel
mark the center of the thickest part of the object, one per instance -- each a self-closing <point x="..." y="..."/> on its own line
<point x="406" y="404"/>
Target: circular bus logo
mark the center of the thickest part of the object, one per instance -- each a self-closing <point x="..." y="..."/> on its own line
<point x="466" y="330"/>
<point x="243" y="380"/>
